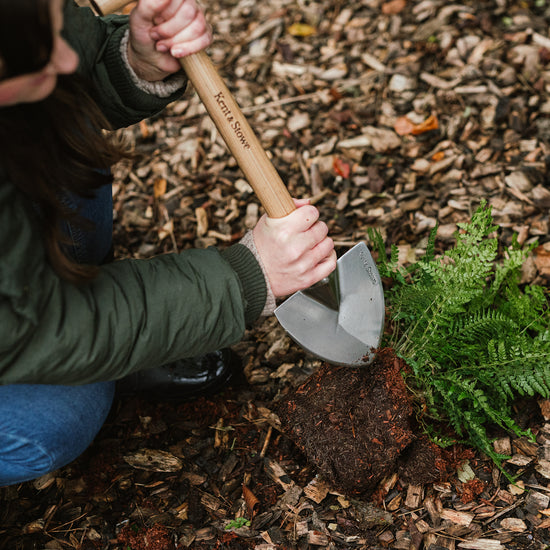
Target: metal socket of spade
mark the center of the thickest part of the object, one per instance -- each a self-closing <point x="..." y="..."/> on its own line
<point x="340" y="320"/>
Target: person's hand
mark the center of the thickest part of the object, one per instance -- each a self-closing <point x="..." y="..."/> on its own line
<point x="295" y="250"/>
<point x="162" y="31"/>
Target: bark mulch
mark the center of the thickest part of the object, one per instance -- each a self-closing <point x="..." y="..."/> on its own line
<point x="397" y="115"/>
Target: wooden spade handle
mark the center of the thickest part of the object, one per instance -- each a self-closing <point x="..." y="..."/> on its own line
<point x="232" y="125"/>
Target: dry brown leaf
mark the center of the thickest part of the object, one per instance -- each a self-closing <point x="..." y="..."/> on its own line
<point x="144" y="129"/>
<point x="403" y="126"/>
<point x="301" y="29"/>
<point x="542" y="259"/>
<point x="252" y="503"/>
<point x="393" y="7"/>
<point x="430" y="123"/>
<point x="159" y="187"/>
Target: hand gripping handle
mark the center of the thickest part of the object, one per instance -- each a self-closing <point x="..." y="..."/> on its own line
<point x="232" y="125"/>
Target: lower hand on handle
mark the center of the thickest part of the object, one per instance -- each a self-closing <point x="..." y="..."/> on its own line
<point x="295" y="250"/>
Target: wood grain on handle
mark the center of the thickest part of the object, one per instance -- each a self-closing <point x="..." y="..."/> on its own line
<point x="238" y="135"/>
<point x="232" y="125"/>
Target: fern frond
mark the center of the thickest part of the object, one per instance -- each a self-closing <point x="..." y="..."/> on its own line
<point x="481" y="326"/>
<point x="474" y="338"/>
<point x="387" y="266"/>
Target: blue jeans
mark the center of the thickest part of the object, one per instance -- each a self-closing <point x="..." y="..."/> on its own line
<point x="44" y="427"/>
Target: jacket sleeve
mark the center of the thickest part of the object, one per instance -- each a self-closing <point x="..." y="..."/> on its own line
<point x="136" y="314"/>
<point x="97" y="40"/>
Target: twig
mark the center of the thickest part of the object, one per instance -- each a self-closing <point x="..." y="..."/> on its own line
<point x="266" y="441"/>
<point x="352" y="427"/>
<point x="504" y="511"/>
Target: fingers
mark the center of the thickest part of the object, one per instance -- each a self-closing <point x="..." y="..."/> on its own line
<point x="319" y="259"/>
<point x="316" y="233"/>
<point x="296" y="250"/>
<point x="305" y="277"/>
<point x="191" y="45"/>
<point x="321" y="270"/>
<point x="181" y="28"/>
<point x="150" y="9"/>
<point x="161" y="32"/>
<point x="300" y="231"/>
<point x="298" y="221"/>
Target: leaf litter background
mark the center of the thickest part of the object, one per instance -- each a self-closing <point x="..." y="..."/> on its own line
<point x="396" y="115"/>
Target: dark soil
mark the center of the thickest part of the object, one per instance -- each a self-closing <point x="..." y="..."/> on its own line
<point x="357" y="426"/>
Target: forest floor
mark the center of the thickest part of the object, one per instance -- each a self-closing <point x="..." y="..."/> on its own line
<point x="395" y="115"/>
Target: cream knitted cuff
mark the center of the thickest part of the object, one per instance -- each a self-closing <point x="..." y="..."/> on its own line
<point x="160" y="88"/>
<point x="270" y="304"/>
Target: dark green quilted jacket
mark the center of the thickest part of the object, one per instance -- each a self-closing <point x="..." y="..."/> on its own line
<point x="137" y="313"/>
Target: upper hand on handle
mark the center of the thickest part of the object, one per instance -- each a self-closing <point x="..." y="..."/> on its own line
<point x="161" y="32"/>
<point x="295" y="250"/>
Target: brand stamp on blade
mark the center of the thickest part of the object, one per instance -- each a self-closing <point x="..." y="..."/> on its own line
<point x="367" y="263"/>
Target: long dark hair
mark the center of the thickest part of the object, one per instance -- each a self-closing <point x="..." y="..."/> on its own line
<point x="56" y="145"/>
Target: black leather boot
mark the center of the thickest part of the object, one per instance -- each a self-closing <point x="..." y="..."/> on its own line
<point x="185" y="379"/>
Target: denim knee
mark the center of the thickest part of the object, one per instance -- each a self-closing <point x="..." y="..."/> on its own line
<point x="44" y="427"/>
<point x="22" y="459"/>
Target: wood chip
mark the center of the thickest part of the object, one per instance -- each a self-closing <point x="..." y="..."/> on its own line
<point x="481" y="544"/>
<point x="536" y="501"/>
<point x="513" y="524"/>
<point x="317" y="490"/>
<point x="503" y="446"/>
<point x="317" y="538"/>
<point x="460" y="518"/>
<point x="414" y="496"/>
<point x="277" y="474"/>
<point x="154" y="460"/>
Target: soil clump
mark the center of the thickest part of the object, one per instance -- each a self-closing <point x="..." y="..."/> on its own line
<point x="357" y="426"/>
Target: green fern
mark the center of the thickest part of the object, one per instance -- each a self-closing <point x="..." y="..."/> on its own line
<point x="474" y="338"/>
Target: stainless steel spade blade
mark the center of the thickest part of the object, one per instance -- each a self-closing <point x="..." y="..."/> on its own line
<point x="341" y="323"/>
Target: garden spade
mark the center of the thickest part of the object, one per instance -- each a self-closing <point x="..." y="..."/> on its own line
<point x="341" y="318"/>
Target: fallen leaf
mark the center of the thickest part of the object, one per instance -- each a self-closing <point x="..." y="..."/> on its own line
<point x="545" y="524"/>
<point x="542" y="259"/>
<point x="465" y="472"/>
<point x="430" y="123"/>
<point x="341" y="167"/>
<point x="393" y="7"/>
<point x="159" y="187"/>
<point x="251" y="501"/>
<point x="144" y="129"/>
<point x="301" y="29"/>
<point x="403" y="126"/>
